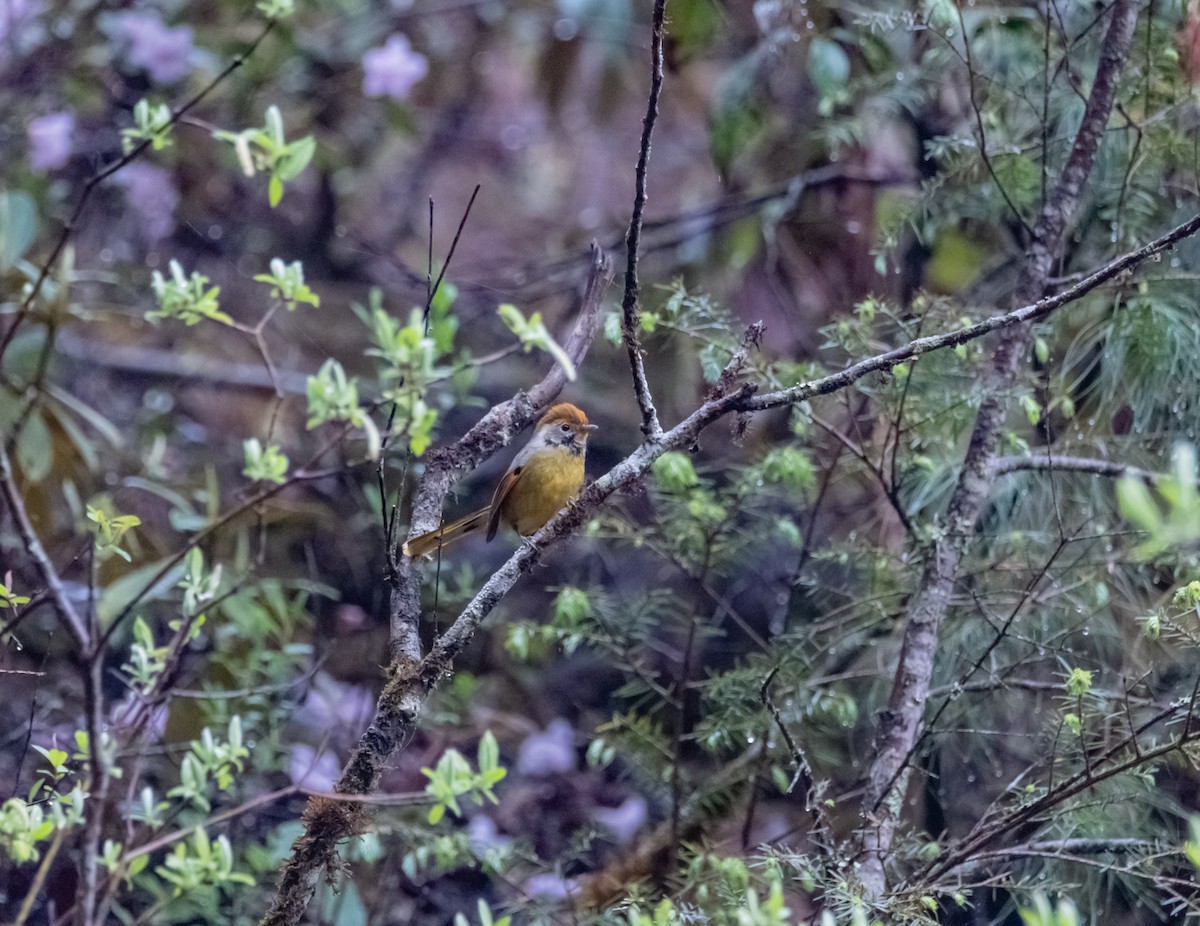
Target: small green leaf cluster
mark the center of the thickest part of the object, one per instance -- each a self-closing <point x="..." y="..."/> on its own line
<point x="264" y="464"/>
<point x="210" y="761"/>
<point x="1064" y="913"/>
<point x="267" y="149"/>
<point x="454" y="778"/>
<point x="10" y="599"/>
<point x="486" y="918"/>
<point x="1179" y="525"/>
<point x="152" y="123"/>
<point x="1191" y="845"/>
<point x="532" y="332"/>
<point x="201" y="863"/>
<point x="287" y="284"/>
<point x="109" y="532"/>
<point x="199" y="584"/>
<point x="333" y="396"/>
<point x="751" y="909"/>
<point x="146" y="660"/>
<point x="189" y="299"/>
<point x="25" y="823"/>
<point x="276" y="9"/>
<point x="411" y="357"/>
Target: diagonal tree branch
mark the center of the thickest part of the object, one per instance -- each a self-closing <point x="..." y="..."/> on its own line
<point x="1034" y="311"/>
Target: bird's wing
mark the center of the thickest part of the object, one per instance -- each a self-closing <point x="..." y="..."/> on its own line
<point x="502" y="490"/>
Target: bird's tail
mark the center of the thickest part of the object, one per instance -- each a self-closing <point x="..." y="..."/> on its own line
<point x="447" y="534"/>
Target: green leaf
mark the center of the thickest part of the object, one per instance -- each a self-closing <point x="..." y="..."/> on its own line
<point x="489" y="752"/>
<point x="295" y="158"/>
<point x="35" y="452"/>
<point x="1136" y="504"/>
<point x="674" y="473"/>
<point x="18" y="226"/>
<point x="828" y="66"/>
<point x="275" y="191"/>
<point x="118" y="594"/>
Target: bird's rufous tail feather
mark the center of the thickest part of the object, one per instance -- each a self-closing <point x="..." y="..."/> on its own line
<point x="447" y="534"/>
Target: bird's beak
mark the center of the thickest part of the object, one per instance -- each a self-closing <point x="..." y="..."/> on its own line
<point x="593" y="427"/>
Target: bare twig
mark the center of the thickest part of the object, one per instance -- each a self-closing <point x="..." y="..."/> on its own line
<point x="33" y="546"/>
<point x="630" y="310"/>
<point x="803" y="774"/>
<point x="433" y="290"/>
<point x="1002" y="466"/>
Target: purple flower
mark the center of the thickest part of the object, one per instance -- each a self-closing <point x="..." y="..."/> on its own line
<point x="548" y="753"/>
<point x="624" y="821"/>
<point x="393" y="69"/>
<point x="152" y="198"/>
<point x="335" y="708"/>
<point x="484" y="835"/>
<point x="16" y="20"/>
<point x="307" y="768"/>
<point x="50" y="141"/>
<point x="550" y="887"/>
<point x="150" y="45"/>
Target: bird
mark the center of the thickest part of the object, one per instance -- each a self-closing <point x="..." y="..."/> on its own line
<point x="544" y="476"/>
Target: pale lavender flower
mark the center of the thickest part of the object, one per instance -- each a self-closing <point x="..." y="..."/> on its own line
<point x="152" y="197"/>
<point x="624" y="821"/>
<point x="393" y="69"/>
<point x="548" y="753"/>
<point x="17" y="35"/>
<point x="484" y="835"/>
<point x="307" y="768"/>
<point x="163" y="52"/>
<point x="550" y="887"/>
<point x="50" y="140"/>
<point x="334" y="708"/>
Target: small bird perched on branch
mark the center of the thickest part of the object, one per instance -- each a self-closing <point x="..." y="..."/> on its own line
<point x="544" y="476"/>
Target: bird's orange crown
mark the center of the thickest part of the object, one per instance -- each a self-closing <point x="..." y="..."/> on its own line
<point x="564" y="413"/>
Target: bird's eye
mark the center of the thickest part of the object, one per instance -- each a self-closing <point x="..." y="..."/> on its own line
<point x="566" y="428"/>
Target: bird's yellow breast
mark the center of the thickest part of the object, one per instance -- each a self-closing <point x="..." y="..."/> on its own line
<point x="548" y="480"/>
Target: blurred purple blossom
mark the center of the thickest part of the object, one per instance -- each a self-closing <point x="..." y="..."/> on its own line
<point x="624" y="821"/>
<point x="16" y="17"/>
<point x="306" y="767"/>
<point x="335" y="709"/>
<point x="393" y="69"/>
<point x="548" y="753"/>
<point x="165" y="53"/>
<point x="550" y="886"/>
<point x="50" y="139"/>
<point x="484" y="835"/>
<point x="152" y="198"/>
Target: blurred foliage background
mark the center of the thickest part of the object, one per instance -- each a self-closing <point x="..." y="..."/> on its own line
<point x="852" y="175"/>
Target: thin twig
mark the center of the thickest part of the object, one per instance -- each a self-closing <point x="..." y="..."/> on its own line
<point x="630" y="310"/>
<point x="33" y="546"/>
<point x="433" y="291"/>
